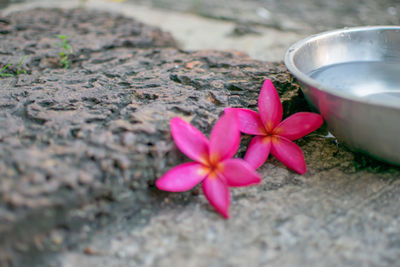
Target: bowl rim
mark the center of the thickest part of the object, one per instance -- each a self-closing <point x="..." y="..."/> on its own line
<point x="303" y="77"/>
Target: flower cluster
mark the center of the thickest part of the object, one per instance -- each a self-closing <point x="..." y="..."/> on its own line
<point x="213" y="163"/>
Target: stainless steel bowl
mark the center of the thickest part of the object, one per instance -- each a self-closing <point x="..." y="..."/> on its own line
<point x="361" y="108"/>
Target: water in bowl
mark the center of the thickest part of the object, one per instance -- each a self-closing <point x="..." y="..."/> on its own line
<point x="373" y="81"/>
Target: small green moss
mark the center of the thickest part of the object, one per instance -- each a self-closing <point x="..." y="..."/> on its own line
<point x="65" y="52"/>
<point x="20" y="70"/>
<point x="365" y="162"/>
<point x="3" y="73"/>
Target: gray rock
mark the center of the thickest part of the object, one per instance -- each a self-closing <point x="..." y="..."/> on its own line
<point x="77" y="136"/>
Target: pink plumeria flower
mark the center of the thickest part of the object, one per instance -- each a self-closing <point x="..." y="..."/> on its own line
<point x="214" y="165"/>
<point x="272" y="134"/>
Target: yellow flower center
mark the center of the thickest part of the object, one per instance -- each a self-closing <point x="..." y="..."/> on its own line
<point x="211" y="166"/>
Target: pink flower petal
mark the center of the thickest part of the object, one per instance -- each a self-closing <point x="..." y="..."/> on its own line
<point x="217" y="192"/>
<point x="224" y="138"/>
<point x="249" y="121"/>
<point x="298" y="125"/>
<point x="258" y="151"/>
<point x="182" y="178"/>
<point x="189" y="140"/>
<point x="238" y="172"/>
<point x="269" y="106"/>
<point x="289" y="154"/>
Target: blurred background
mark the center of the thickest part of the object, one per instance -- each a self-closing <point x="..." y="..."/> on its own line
<point x="264" y="29"/>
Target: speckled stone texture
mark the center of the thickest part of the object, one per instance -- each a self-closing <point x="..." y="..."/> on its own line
<point x="72" y="136"/>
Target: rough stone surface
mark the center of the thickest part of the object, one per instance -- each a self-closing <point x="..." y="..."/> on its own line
<point x="73" y="135"/>
<point x="328" y="218"/>
<point x="80" y="149"/>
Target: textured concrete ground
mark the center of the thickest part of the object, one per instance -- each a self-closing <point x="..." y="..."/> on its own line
<point x="82" y="148"/>
<point x="324" y="218"/>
